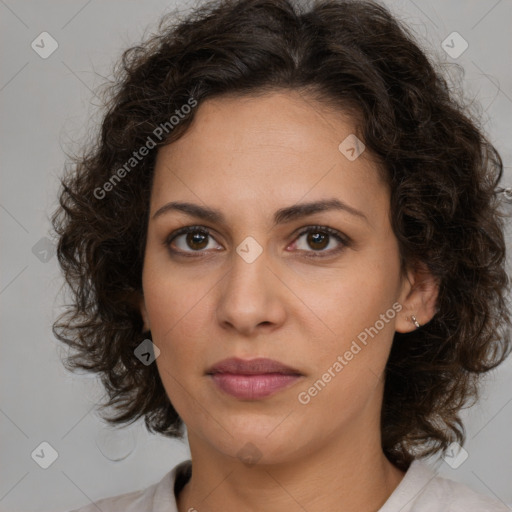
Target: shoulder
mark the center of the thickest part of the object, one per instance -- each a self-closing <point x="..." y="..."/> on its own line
<point x="441" y="493"/>
<point x="140" y="501"/>
<point x="156" y="497"/>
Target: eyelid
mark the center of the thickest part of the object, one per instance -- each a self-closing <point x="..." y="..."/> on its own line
<point x="343" y="239"/>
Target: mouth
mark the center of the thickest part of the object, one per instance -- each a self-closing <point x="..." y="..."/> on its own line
<point x="252" y="379"/>
<point x="258" y="366"/>
<point x="253" y="387"/>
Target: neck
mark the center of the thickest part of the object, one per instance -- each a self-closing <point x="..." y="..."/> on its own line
<point x="348" y="472"/>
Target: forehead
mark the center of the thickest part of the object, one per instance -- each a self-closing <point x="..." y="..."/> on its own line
<point x="280" y="146"/>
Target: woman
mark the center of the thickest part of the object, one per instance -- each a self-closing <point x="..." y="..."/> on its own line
<point x="287" y="239"/>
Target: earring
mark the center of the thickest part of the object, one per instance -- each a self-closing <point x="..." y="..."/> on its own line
<point x="413" y="318"/>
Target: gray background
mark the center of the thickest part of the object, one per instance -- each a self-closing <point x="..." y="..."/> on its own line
<point x="46" y="107"/>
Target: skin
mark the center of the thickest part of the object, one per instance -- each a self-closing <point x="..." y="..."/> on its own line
<point x="249" y="157"/>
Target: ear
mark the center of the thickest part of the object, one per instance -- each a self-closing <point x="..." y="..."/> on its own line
<point x="418" y="297"/>
<point x="144" y="314"/>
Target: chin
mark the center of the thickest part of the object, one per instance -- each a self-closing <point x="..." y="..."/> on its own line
<point x="267" y="442"/>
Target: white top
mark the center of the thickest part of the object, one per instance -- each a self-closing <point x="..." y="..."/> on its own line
<point x="419" y="491"/>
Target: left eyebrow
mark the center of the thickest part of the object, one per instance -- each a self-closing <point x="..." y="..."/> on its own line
<point x="281" y="216"/>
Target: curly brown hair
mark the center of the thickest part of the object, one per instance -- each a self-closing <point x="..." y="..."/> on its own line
<point x="354" y="56"/>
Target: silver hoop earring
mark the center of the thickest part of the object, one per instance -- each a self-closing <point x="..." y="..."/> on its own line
<point x="413" y="318"/>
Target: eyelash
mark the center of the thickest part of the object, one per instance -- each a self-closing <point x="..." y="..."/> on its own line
<point x="343" y="239"/>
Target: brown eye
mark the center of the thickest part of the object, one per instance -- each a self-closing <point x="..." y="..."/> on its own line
<point x="318" y="239"/>
<point x="196" y="240"/>
<point x="189" y="240"/>
<point x="192" y="240"/>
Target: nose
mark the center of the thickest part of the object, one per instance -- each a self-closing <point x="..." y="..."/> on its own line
<point x="251" y="297"/>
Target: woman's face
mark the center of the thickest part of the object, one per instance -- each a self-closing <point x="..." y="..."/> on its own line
<point x="257" y="286"/>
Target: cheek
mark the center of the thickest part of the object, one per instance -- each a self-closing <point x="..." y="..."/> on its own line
<point x="347" y="366"/>
<point x="171" y="295"/>
<point x="169" y="306"/>
<point x="355" y="299"/>
<point x="173" y="312"/>
<point x="357" y="309"/>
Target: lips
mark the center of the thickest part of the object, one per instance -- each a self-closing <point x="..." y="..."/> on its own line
<point x="251" y="367"/>
<point x="252" y="379"/>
